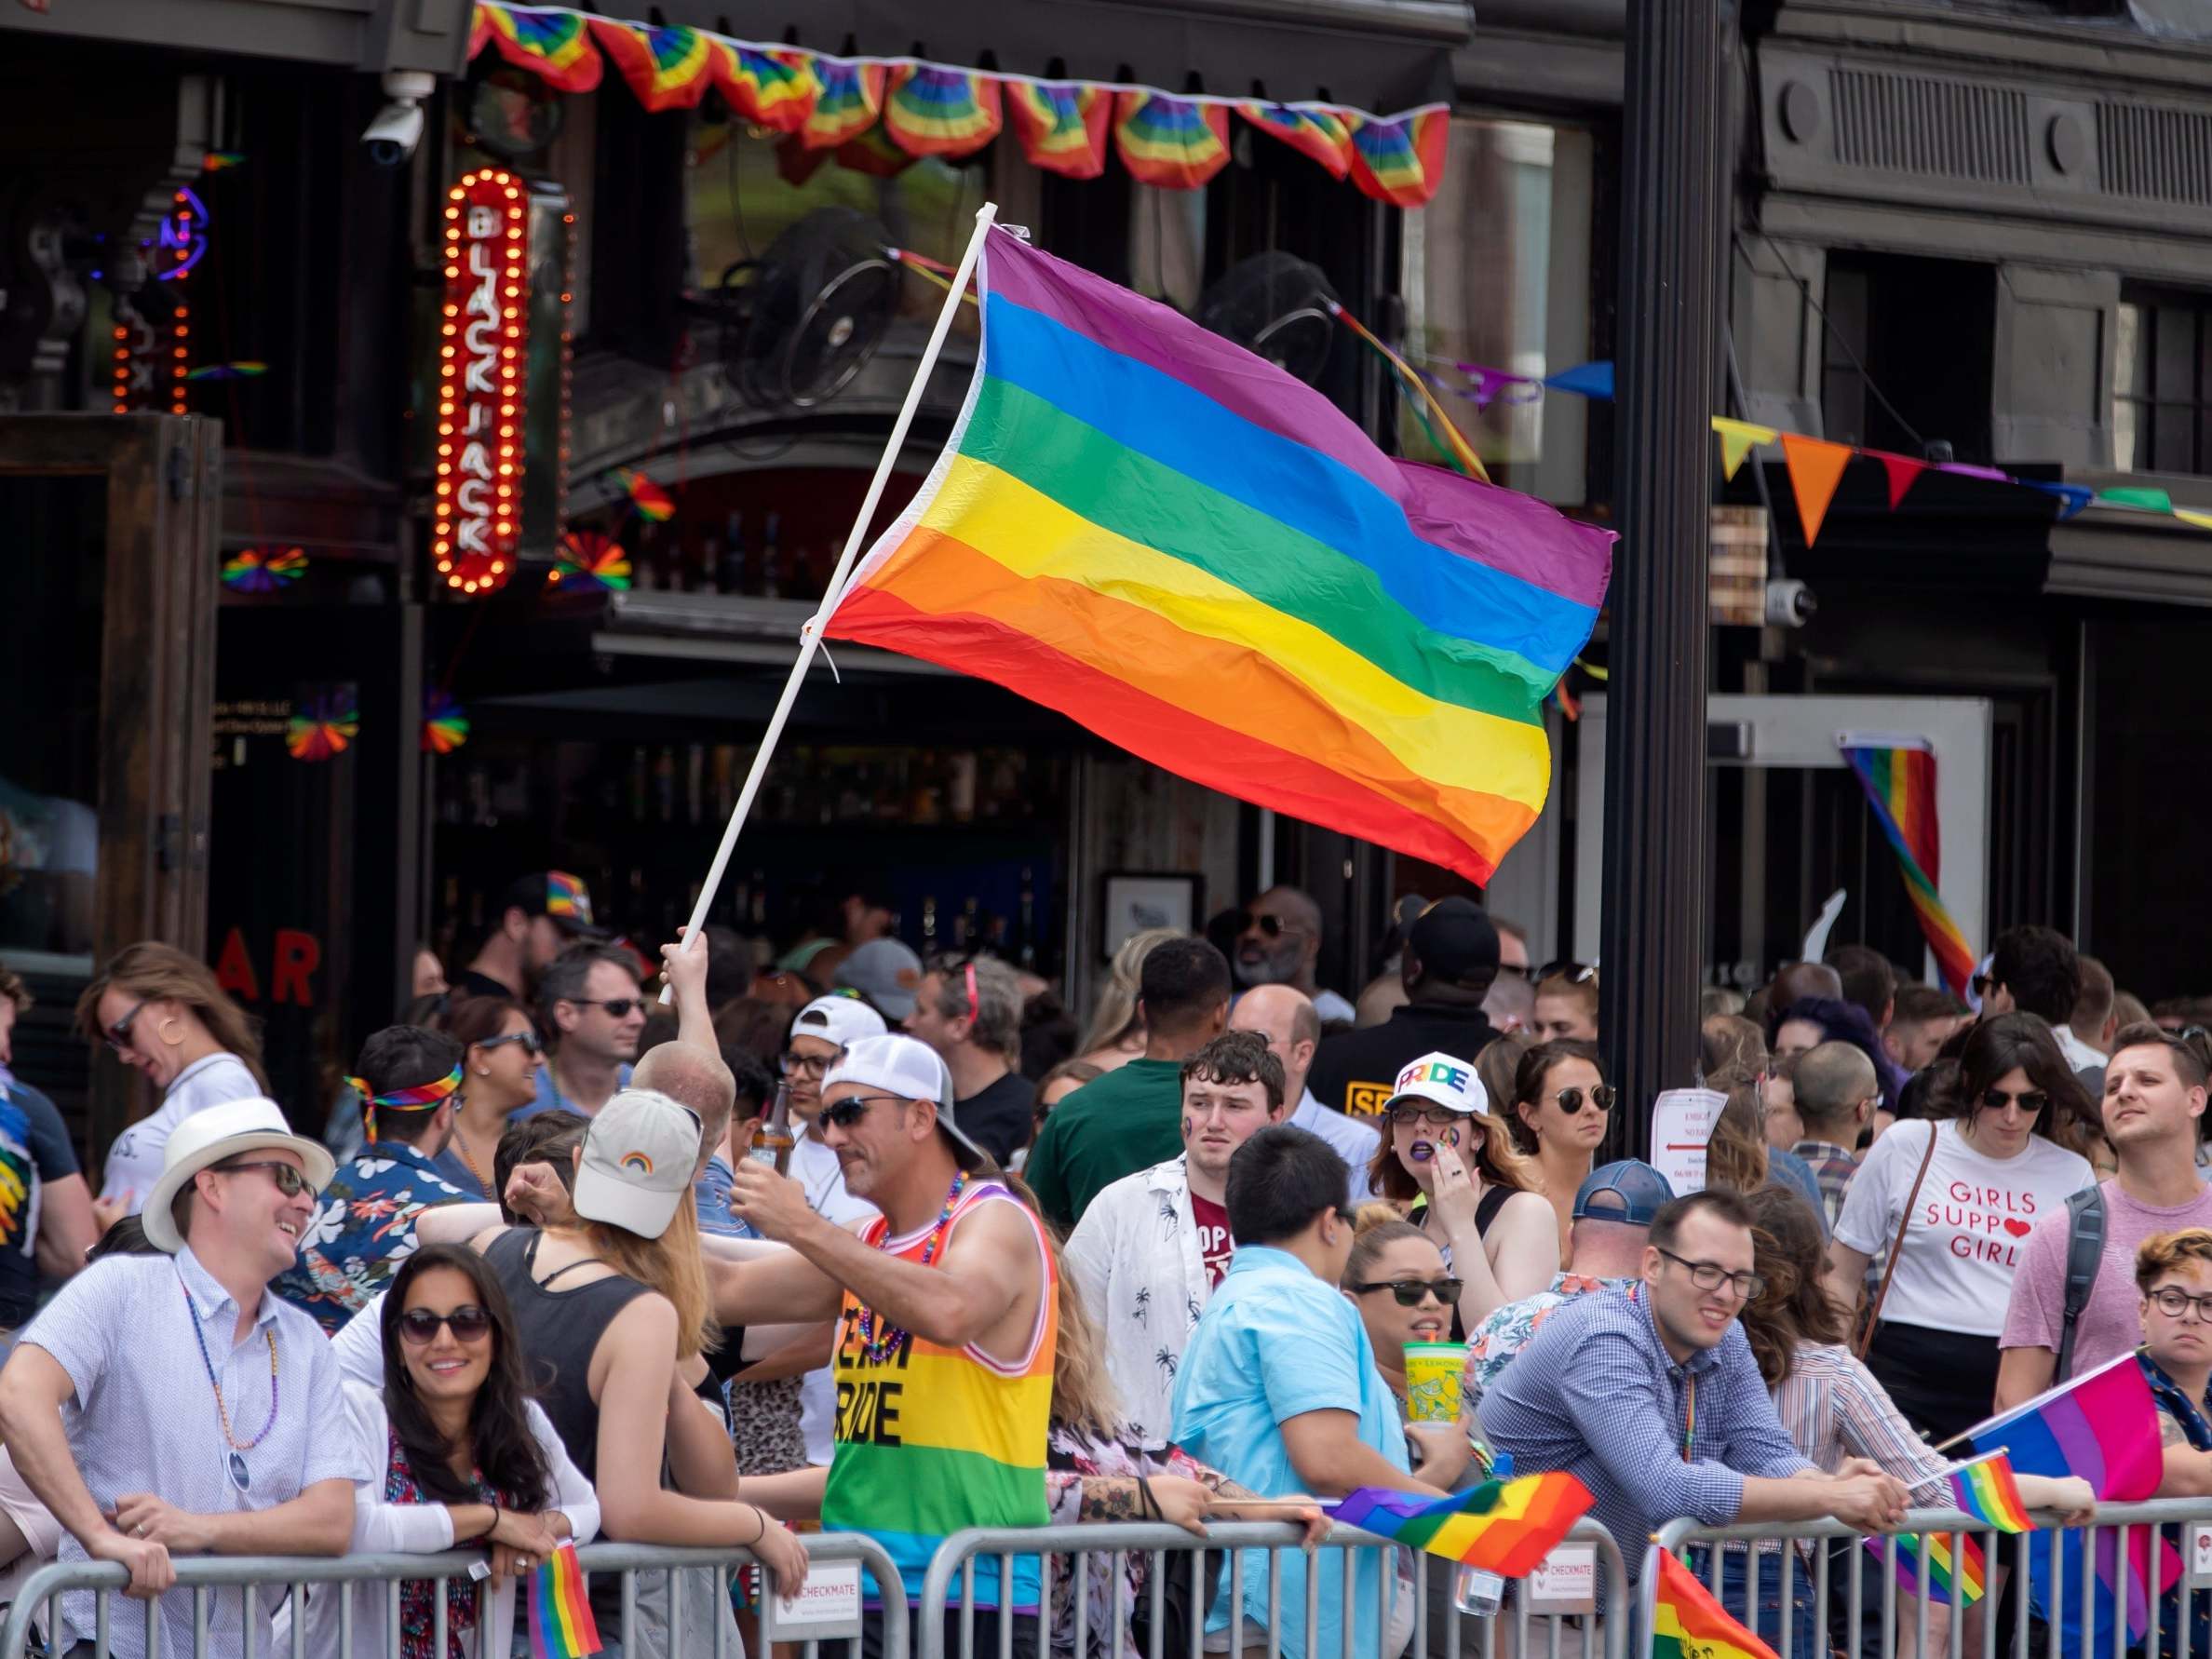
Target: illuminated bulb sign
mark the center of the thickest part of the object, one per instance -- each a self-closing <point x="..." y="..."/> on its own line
<point x="477" y="523"/>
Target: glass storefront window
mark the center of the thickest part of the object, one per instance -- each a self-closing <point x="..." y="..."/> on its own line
<point x="1497" y="272"/>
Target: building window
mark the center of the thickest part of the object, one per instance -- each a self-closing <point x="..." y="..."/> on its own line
<point x="1497" y="273"/>
<point x="2162" y="382"/>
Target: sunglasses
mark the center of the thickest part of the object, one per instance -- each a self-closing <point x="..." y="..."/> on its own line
<point x="617" y="1007"/>
<point x="419" y="1327"/>
<point x="850" y="1111"/>
<point x="1572" y="1100"/>
<point x="1409" y="1293"/>
<point x="2030" y="1101"/>
<point x="528" y="1039"/>
<point x="289" y="1181"/>
<point x="118" y="1034"/>
<point x="1270" y="926"/>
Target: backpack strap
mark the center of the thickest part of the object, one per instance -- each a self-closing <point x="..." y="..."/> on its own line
<point x="2085" y="1255"/>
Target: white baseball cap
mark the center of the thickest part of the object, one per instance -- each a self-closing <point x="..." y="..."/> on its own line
<point x="1443" y="1079"/>
<point x="211" y="1136"/>
<point x="639" y="1156"/>
<point x="910" y="1068"/>
<point x="839" y="1020"/>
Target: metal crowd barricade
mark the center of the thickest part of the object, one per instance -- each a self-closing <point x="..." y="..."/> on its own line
<point x="207" y="1577"/>
<point x="2068" y="1586"/>
<point x="944" y="1624"/>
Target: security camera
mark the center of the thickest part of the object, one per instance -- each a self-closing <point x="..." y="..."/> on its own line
<point x="397" y="129"/>
<point x="1789" y="603"/>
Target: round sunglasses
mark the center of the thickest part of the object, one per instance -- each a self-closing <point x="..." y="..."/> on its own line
<point x="420" y="1326"/>
<point x="1573" y="1098"/>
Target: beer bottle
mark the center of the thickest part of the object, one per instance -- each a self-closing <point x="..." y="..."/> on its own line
<point x="772" y="1141"/>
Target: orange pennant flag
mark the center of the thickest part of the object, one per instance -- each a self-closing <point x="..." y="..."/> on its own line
<point x="1816" y="468"/>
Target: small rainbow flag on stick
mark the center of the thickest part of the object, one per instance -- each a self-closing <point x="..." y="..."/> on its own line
<point x="1984" y="1487"/>
<point x="1507" y="1529"/>
<point x="1899" y="774"/>
<point x="561" y="1622"/>
<point x="1687" y="1621"/>
<point x="1947" y="1581"/>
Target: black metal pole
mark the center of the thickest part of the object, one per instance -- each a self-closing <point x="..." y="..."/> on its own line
<point x="1674" y="205"/>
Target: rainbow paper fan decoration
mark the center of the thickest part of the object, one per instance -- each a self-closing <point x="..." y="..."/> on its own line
<point x="1401" y="162"/>
<point x="668" y="69"/>
<point x="872" y="153"/>
<point x="262" y="570"/>
<point x="242" y="371"/>
<point x="1320" y="135"/>
<point x="322" y="728"/>
<point x="590" y="560"/>
<point x="773" y="90"/>
<point x="652" y="502"/>
<point x="555" y="46"/>
<point x="1176" y="143"/>
<point x="929" y="110"/>
<point x="445" y="726"/>
<point x="1062" y="126"/>
<point x="851" y="94"/>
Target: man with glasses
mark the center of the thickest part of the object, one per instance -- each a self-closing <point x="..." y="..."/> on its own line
<point x="592" y="1010"/>
<point x="1449" y="958"/>
<point x="1281" y="944"/>
<point x="363" y="1225"/>
<point x="1653" y="1399"/>
<point x="968" y="1009"/>
<point x="171" y="1404"/>
<point x="1154" y="1247"/>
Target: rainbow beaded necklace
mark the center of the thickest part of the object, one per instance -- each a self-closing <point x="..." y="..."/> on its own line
<point x="878" y="1344"/>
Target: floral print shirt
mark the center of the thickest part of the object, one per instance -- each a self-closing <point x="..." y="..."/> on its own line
<point x="362" y="1229"/>
<point x="1494" y="1341"/>
<point x="1071" y="1456"/>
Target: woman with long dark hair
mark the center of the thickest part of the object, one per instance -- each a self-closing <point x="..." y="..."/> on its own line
<point x="1941" y="1208"/>
<point x="466" y="1456"/>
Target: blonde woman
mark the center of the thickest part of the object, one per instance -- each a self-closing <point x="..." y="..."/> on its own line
<point x="1115" y="1035"/>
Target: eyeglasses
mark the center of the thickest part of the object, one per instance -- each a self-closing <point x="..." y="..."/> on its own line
<point x="2031" y="1101"/>
<point x="2173" y="1304"/>
<point x="805" y="1065"/>
<point x="845" y="1113"/>
<point x="118" y="1034"/>
<point x="469" y="1323"/>
<point x="289" y="1181"/>
<point x="617" y="1007"/>
<point x="1441" y="1117"/>
<point x="1573" y="1099"/>
<point x="1711" y="1275"/>
<point x="528" y="1039"/>
<point x="1409" y="1293"/>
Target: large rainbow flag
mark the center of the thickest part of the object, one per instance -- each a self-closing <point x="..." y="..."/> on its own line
<point x="1503" y="1528"/>
<point x="1203" y="561"/>
<point x="1899" y="774"/>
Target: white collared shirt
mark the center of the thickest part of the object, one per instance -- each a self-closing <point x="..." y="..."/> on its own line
<point x="143" y="1417"/>
<point x="2079" y="1056"/>
<point x="1134" y="1257"/>
<point x="134" y="1161"/>
<point x="1355" y="1142"/>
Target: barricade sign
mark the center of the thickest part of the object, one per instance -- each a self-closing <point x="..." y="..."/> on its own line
<point x="824" y="1608"/>
<point x="1565" y="1581"/>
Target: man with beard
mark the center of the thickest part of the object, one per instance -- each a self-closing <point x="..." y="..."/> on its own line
<point x="541" y="915"/>
<point x="1279" y="945"/>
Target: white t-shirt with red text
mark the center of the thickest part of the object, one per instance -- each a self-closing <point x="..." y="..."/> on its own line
<point x="1970" y="1223"/>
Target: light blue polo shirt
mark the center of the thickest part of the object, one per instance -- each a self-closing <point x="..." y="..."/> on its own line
<point x="1275" y="1342"/>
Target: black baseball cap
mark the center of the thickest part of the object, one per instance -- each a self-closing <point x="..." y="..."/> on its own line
<point x="560" y="897"/>
<point x="1454" y="939"/>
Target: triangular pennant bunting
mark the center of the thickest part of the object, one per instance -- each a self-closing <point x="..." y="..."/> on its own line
<point x="1591" y="380"/>
<point x="1816" y="468"/>
<point x="2156" y="501"/>
<point x="2202" y="520"/>
<point x="1902" y="470"/>
<point x="1737" y="438"/>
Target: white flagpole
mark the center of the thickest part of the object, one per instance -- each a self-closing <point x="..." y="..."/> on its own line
<point x="810" y="633"/>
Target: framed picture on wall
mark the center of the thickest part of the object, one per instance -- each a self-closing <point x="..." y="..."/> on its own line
<point x="1132" y="900"/>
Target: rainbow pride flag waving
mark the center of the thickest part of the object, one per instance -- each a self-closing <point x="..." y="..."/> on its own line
<point x="561" y="1622"/>
<point x="1689" y="1623"/>
<point x="1203" y="561"/>
<point x="1899" y="774"/>
<point x="1507" y="1529"/>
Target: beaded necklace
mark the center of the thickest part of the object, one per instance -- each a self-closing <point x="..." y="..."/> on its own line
<point x="235" y="1462"/>
<point x="875" y="1349"/>
<point x="460" y="1146"/>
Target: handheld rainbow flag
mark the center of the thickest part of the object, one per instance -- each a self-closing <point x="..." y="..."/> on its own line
<point x="1507" y="1529"/>
<point x="1061" y="126"/>
<point x="1206" y="562"/>
<point x="561" y="1622"/>
<point x="668" y="69"/>
<point x="648" y="498"/>
<point x="1687" y="1623"/>
<point x="1947" y="1581"/>
<point x="1984" y="1487"/>
<point x="1899" y="774"/>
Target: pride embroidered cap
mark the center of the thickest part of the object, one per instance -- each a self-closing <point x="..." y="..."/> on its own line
<point x="639" y="1156"/>
<point x="910" y="1069"/>
<point x="840" y="1019"/>
<point x="1443" y="1079"/>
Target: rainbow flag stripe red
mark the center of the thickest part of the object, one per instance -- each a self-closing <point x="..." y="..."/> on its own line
<point x="668" y="69"/>
<point x="1206" y="562"/>
<point x="1401" y="161"/>
<point x="553" y="45"/>
<point x="1687" y="1623"/>
<point x="1062" y="126"/>
<point x="1324" y="136"/>
<point x="1899" y="774"/>
<point x="1986" y="1490"/>
<point x="561" y="1622"/>
<point x="1176" y="144"/>
<point x="950" y="113"/>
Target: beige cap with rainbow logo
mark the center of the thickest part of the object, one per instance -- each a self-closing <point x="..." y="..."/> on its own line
<point x="640" y="1156"/>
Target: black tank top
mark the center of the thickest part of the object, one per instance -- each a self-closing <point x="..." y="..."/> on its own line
<point x="1486" y="1211"/>
<point x="559" y="1331"/>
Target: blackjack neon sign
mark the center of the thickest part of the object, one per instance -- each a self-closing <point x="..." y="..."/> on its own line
<point x="483" y="339"/>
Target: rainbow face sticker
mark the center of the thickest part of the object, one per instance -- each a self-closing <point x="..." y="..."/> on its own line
<point x="637" y="1161"/>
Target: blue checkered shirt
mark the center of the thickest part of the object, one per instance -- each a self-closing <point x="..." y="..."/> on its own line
<point x="1832" y="1166"/>
<point x="1596" y="1393"/>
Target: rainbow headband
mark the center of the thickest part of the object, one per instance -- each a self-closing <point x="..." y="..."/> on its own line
<point x="407" y="1100"/>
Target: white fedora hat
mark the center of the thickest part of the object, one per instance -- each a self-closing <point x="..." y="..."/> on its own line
<point x="211" y="1136"/>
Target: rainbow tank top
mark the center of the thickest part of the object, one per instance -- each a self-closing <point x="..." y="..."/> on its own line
<point x="932" y="1439"/>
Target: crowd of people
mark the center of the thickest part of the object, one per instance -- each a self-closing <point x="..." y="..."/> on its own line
<point x="554" y="1270"/>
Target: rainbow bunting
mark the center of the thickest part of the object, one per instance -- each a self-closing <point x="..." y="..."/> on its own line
<point x="1176" y="144"/>
<point x="874" y="153"/>
<point x="851" y="94"/>
<point x="1401" y="160"/>
<point x="1321" y="135"/>
<point x="1507" y="1529"/>
<point x="561" y="1622"/>
<point x="1816" y="468"/>
<point x="1946" y="1584"/>
<point x="1061" y="126"/>
<point x="1898" y="776"/>
<point x="554" y="46"/>
<point x="652" y="502"/>
<point x="1985" y="1489"/>
<point x="1205" y="562"/>
<point x="1687" y="1623"/>
<point x="770" y="88"/>
<point x="323" y="727"/>
<point x="668" y="69"/>
<point x="445" y="727"/>
<point x="586" y="560"/>
<point x="262" y="570"/>
<point x="933" y="111"/>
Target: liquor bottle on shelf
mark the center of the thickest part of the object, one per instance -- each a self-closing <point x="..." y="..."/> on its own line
<point x="960" y="786"/>
<point x="773" y="1142"/>
<point x="695" y="782"/>
<point x="663" y="784"/>
<point x="729" y="568"/>
<point x="771" y="573"/>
